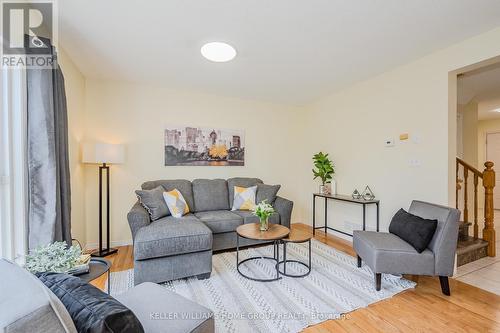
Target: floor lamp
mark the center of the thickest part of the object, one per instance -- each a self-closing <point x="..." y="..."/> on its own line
<point x="103" y="154"/>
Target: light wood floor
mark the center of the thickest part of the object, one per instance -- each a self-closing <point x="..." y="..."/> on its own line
<point x="423" y="309"/>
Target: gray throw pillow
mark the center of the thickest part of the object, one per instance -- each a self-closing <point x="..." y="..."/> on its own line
<point x="267" y="192"/>
<point x="153" y="202"/>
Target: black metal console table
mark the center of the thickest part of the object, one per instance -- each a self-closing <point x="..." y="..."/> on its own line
<point x="345" y="198"/>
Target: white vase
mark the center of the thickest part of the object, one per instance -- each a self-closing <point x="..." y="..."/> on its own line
<point x="333" y="187"/>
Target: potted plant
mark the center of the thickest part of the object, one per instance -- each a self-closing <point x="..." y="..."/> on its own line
<point x="56" y="257"/>
<point x="263" y="210"/>
<point x="324" y="170"/>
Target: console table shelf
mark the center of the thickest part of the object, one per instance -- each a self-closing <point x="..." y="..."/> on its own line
<point x="344" y="198"/>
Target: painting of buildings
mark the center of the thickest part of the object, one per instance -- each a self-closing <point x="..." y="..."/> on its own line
<point x="185" y="145"/>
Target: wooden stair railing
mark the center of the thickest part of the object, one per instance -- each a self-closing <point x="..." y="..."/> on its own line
<point x="488" y="179"/>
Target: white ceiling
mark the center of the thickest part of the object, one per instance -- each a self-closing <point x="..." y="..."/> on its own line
<point x="289" y="51"/>
<point x="482" y="86"/>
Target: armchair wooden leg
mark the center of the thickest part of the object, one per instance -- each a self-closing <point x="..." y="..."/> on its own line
<point x="445" y="286"/>
<point x="359" y="261"/>
<point x="378" y="281"/>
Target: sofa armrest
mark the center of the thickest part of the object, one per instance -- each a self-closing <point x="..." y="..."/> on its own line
<point x="138" y="217"/>
<point x="284" y="208"/>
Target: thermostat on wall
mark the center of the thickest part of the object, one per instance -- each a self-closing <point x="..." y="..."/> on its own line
<point x="389" y="142"/>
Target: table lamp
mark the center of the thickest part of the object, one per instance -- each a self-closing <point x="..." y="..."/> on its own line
<point x="103" y="154"/>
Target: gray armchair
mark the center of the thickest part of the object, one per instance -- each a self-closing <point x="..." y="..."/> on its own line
<point x="387" y="253"/>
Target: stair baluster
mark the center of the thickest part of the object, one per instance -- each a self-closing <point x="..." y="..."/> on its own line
<point x="476" y="226"/>
<point x="488" y="181"/>
<point x="489" y="226"/>
<point x="466" y="195"/>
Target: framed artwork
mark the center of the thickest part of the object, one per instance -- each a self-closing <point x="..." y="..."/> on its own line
<point x="204" y="146"/>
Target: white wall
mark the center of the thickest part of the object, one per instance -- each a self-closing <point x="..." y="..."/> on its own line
<point x="136" y="115"/>
<point x="75" y="99"/>
<point x="418" y="98"/>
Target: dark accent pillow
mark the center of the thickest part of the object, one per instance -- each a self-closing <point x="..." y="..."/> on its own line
<point x="91" y="310"/>
<point x="153" y="202"/>
<point x="416" y="231"/>
<point x="267" y="192"/>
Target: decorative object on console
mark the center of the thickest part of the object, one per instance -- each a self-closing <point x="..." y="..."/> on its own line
<point x="187" y="145"/>
<point x="103" y="154"/>
<point x="56" y="257"/>
<point x="176" y="203"/>
<point x="244" y="198"/>
<point x="368" y="194"/>
<point x="325" y="171"/>
<point x="356" y="194"/>
<point x="263" y="210"/>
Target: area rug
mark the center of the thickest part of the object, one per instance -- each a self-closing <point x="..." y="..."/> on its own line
<point x="334" y="288"/>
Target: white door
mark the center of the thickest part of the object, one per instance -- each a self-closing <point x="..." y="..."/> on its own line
<point x="493" y="154"/>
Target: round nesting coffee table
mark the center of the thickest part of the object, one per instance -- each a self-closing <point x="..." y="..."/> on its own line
<point x="295" y="236"/>
<point x="275" y="233"/>
<point x="97" y="267"/>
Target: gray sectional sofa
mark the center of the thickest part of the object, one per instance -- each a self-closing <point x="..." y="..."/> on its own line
<point x="172" y="248"/>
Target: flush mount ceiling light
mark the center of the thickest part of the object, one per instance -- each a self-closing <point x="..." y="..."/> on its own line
<point x="218" y="51"/>
<point x="495" y="110"/>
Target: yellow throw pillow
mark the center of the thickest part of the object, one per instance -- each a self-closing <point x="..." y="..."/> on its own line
<point x="244" y="198"/>
<point x="176" y="203"/>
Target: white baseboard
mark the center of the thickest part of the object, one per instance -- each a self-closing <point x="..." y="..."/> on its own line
<point x="95" y="245"/>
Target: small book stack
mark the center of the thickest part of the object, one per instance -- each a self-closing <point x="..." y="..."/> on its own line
<point x="82" y="265"/>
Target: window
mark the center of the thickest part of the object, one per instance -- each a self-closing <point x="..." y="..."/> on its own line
<point x="13" y="171"/>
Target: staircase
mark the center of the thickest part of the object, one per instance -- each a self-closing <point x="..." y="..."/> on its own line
<point x="471" y="248"/>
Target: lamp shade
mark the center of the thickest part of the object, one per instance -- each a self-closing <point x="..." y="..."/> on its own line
<point x="98" y="153"/>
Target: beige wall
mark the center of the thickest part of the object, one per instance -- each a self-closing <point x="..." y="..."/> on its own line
<point x="484" y="127"/>
<point x="416" y="98"/>
<point x="75" y="99"/>
<point x="136" y="115"/>
<point x="469" y="133"/>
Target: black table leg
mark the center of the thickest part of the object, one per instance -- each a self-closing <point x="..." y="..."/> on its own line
<point x="364" y="217"/>
<point x="277" y="259"/>
<point x="314" y="214"/>
<point x="284" y="257"/>
<point x="378" y="216"/>
<point x="237" y="249"/>
<point x="326" y="214"/>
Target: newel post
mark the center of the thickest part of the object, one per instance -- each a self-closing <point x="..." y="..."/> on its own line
<point x="489" y="227"/>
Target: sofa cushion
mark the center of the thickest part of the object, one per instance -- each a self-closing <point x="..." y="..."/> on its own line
<point x="184" y="186"/>
<point x="241" y="182"/>
<point x="248" y="217"/>
<point x="91" y="309"/>
<point x="153" y="202"/>
<point x="220" y="220"/>
<point x="171" y="236"/>
<point x="244" y="198"/>
<point x="210" y="194"/>
<point x="176" y="203"/>
<point x="416" y="231"/>
<point x="27" y="305"/>
<point x="267" y="192"/>
<point x="387" y="253"/>
<point x="161" y="310"/>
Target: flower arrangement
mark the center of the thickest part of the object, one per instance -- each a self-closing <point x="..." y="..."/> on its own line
<point x="263" y="210"/>
<point x="56" y="257"/>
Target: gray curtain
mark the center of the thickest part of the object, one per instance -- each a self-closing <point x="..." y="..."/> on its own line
<point x="49" y="197"/>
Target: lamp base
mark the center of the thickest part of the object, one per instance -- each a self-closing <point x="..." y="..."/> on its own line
<point x="103" y="252"/>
